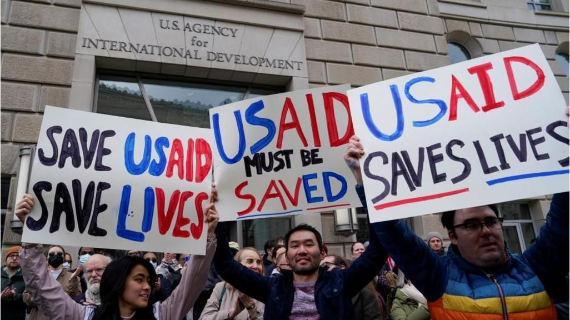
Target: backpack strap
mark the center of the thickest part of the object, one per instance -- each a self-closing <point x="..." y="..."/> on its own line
<point x="222" y="296"/>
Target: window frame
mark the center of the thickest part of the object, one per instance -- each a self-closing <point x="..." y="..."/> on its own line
<point x="463" y="49"/>
<point x="535" y="3"/>
<point x="173" y="78"/>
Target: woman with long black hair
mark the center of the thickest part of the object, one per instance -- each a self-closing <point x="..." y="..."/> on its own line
<point x="126" y="284"/>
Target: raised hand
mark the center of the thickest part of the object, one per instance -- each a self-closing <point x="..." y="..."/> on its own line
<point x="24" y="207"/>
<point x="354" y="152"/>
<point x="77" y="271"/>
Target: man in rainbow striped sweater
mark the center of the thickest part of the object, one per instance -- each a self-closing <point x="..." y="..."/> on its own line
<point x="479" y="278"/>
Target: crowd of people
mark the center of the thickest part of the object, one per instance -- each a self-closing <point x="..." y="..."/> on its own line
<point x="394" y="275"/>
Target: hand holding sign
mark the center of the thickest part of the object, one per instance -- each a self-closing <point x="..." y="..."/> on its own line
<point x="24" y="207"/>
<point x="119" y="183"/>
<point x="354" y="152"/>
<point x="273" y="157"/>
<point x="483" y="131"/>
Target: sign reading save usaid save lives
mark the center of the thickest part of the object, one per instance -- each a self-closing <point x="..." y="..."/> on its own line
<point x="483" y="131"/>
<point x="283" y="154"/>
<point x="111" y="182"/>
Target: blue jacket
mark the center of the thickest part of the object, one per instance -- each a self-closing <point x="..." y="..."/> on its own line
<point x="458" y="290"/>
<point x="333" y="289"/>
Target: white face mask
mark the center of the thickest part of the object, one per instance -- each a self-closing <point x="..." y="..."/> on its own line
<point x="153" y="264"/>
<point x="66" y="265"/>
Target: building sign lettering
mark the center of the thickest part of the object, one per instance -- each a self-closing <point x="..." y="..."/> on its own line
<point x="194" y="54"/>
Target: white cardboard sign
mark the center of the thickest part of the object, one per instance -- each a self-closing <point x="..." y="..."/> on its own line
<point x="283" y="154"/>
<point x="483" y="131"/>
<point x="112" y="182"/>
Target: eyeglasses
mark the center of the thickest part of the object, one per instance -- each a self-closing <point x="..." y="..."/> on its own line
<point x="87" y="252"/>
<point x="477" y="226"/>
<point x="13" y="256"/>
<point x="98" y="271"/>
<point x="134" y="254"/>
<point x="51" y="254"/>
<point x="153" y="260"/>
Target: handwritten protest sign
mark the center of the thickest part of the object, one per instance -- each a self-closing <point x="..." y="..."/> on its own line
<point x="283" y="154"/>
<point x="111" y="182"/>
<point x="483" y="131"/>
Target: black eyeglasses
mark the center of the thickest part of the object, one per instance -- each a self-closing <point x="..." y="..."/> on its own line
<point x="51" y="254"/>
<point x="87" y="252"/>
<point x="477" y="226"/>
<point x="153" y="260"/>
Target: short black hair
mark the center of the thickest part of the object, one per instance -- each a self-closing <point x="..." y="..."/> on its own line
<point x="304" y="227"/>
<point x="448" y="216"/>
<point x="269" y="244"/>
<point x="274" y="252"/>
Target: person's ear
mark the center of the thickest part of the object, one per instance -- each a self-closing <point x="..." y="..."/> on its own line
<point x="452" y="236"/>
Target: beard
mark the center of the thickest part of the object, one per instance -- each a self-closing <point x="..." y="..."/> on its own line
<point x="305" y="270"/>
<point x="93" y="294"/>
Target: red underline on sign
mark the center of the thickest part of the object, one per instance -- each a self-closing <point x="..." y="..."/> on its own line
<point x="419" y="199"/>
<point x="331" y="206"/>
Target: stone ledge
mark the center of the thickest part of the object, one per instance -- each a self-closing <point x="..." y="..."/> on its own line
<point x="551" y="13"/>
<point x="465" y="3"/>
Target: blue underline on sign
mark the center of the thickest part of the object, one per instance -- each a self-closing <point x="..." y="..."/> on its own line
<point x="268" y="214"/>
<point x="527" y="176"/>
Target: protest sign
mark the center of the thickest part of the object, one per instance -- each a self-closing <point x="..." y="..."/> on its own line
<point x="283" y="154"/>
<point x="483" y="131"/>
<point x="112" y="182"/>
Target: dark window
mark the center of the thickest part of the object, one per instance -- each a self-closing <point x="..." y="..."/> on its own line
<point x="257" y="232"/>
<point x="539" y="4"/>
<point x="562" y="60"/>
<point x="5" y="189"/>
<point x="457" y="53"/>
<point x="168" y="101"/>
<point x="121" y="96"/>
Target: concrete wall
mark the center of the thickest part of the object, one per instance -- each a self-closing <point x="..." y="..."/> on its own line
<point x="38" y="49"/>
<point x="348" y="41"/>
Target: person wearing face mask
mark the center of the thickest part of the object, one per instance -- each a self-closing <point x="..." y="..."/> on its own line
<point x="67" y="262"/>
<point x="92" y="271"/>
<point x="226" y="302"/>
<point x="68" y="281"/>
<point x="162" y="287"/>
<point x="126" y="283"/>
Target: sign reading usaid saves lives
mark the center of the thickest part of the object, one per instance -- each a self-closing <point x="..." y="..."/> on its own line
<point x="483" y="131"/>
<point x="283" y="154"/>
<point x="111" y="182"/>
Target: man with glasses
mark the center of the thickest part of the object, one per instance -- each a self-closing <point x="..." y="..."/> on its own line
<point x="13" y="307"/>
<point x="479" y="278"/>
<point x="93" y="270"/>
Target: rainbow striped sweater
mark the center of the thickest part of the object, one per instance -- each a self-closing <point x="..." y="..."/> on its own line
<point x="521" y="288"/>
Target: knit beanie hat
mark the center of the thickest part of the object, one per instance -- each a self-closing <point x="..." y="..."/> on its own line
<point x="15" y="249"/>
<point x="434" y="234"/>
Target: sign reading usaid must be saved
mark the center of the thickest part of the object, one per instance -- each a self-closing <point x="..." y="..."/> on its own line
<point x="196" y="42"/>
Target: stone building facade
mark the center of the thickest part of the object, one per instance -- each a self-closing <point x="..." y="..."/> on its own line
<point x="46" y="60"/>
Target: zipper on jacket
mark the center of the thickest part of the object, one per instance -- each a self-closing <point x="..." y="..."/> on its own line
<point x="501" y="295"/>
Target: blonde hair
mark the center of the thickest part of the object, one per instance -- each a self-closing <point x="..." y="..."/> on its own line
<point x="238" y="258"/>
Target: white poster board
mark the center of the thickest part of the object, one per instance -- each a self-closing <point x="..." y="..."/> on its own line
<point x="283" y="154"/>
<point x="483" y="131"/>
<point x="111" y="182"/>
